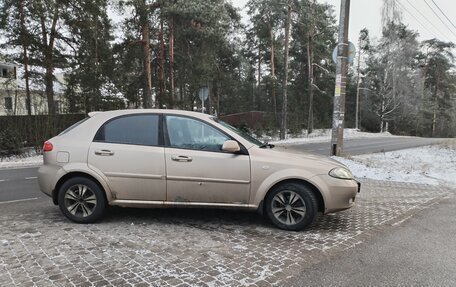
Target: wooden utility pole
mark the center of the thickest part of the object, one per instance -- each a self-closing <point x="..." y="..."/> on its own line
<point x="341" y="80"/>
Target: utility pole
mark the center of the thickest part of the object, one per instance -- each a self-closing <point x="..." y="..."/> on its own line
<point x="341" y="80"/>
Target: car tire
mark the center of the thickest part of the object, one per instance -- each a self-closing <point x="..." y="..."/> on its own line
<point x="291" y="206"/>
<point x="82" y="200"/>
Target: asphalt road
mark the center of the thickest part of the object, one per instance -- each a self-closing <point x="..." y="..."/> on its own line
<point x="21" y="183"/>
<point x="419" y="252"/>
<point x="366" y="145"/>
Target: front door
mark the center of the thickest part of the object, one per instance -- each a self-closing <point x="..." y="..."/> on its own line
<point x="198" y="170"/>
<point x="127" y="150"/>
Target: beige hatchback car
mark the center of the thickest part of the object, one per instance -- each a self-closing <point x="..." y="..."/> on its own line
<point x="165" y="158"/>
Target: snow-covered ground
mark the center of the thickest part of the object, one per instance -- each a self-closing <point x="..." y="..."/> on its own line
<point x="31" y="159"/>
<point x="324" y="135"/>
<point x="428" y="165"/>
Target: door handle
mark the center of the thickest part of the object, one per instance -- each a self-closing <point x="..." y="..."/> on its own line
<point x="181" y="158"/>
<point x="104" y="152"/>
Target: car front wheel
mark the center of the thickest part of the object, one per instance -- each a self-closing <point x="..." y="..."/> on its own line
<point x="81" y="200"/>
<point x="291" y="206"/>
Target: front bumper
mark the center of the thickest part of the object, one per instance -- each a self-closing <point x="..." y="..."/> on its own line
<point x="338" y="194"/>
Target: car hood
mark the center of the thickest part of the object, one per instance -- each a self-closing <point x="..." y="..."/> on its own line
<point x="299" y="159"/>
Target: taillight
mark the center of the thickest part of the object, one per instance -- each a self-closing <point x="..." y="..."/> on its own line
<point x="47" y="146"/>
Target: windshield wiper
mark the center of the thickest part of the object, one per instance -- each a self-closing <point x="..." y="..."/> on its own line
<point x="267" y="145"/>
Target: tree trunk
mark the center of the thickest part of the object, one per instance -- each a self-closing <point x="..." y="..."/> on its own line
<point x="274" y="100"/>
<point x="49" y="58"/>
<point x="254" y="104"/>
<point x="162" y="98"/>
<point x="217" y="93"/>
<point x="283" y="126"/>
<point x="147" y="101"/>
<point x="49" y="83"/>
<point x="26" y="62"/>
<point x="382" y="116"/>
<point x="15" y="103"/>
<point x="96" y="93"/>
<point x="357" y="86"/>
<point x="171" y="59"/>
<point x="209" y="97"/>
<point x="310" y="84"/>
<point x="436" y="103"/>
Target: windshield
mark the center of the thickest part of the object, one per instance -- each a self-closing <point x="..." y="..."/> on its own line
<point x="243" y="134"/>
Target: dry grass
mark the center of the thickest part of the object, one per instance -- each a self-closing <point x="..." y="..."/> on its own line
<point x="449" y="144"/>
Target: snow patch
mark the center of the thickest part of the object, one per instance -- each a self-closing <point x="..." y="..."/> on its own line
<point x="432" y="165"/>
<point x="32" y="159"/>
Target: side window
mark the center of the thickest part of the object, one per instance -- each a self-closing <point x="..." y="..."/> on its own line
<point x="193" y="134"/>
<point x="136" y="129"/>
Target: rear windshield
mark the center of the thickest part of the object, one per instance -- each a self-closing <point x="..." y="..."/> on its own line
<point x="73" y="126"/>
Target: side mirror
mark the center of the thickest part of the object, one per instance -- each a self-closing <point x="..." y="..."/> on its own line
<point x="231" y="146"/>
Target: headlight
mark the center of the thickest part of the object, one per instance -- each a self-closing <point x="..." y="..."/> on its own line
<point x="341" y="172"/>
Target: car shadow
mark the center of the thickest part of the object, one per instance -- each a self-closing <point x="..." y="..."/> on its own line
<point x="204" y="218"/>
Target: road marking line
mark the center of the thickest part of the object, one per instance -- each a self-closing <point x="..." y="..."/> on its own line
<point x="2" y="180"/>
<point x="21" y="167"/>
<point x="19" y="200"/>
<point x="31" y="177"/>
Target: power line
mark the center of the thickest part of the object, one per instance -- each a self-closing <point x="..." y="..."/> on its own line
<point x="418" y="21"/>
<point x="435" y="13"/>
<point x="426" y="18"/>
<point x="443" y="13"/>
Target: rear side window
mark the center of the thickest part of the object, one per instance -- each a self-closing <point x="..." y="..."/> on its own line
<point x="135" y="129"/>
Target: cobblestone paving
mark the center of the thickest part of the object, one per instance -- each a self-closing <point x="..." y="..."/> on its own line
<point x="184" y="247"/>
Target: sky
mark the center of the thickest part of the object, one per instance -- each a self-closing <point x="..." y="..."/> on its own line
<point x="367" y="14"/>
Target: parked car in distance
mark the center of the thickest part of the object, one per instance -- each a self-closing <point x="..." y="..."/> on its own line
<point x="165" y="158"/>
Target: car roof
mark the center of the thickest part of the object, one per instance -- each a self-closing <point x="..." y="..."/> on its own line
<point x="115" y="113"/>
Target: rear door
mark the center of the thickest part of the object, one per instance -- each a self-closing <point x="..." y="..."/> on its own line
<point x="129" y="152"/>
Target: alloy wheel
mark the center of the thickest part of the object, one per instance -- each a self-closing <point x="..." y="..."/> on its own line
<point x="80" y="200"/>
<point x="288" y="207"/>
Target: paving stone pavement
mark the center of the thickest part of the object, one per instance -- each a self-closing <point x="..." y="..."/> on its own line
<point x="189" y="247"/>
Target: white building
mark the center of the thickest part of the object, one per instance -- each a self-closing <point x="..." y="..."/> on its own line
<point x="13" y="100"/>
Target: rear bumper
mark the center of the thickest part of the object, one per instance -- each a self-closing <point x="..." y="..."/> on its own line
<point x="47" y="178"/>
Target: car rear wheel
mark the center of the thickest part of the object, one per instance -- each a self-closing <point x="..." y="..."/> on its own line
<point x="81" y="200"/>
<point x="291" y="206"/>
